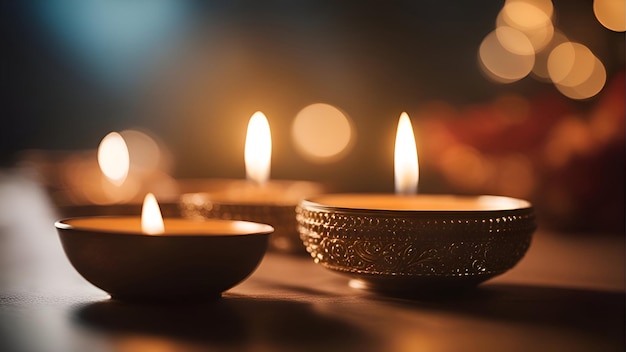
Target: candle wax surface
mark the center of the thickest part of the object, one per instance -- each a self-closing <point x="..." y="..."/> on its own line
<point x="391" y="202"/>
<point x="173" y="227"/>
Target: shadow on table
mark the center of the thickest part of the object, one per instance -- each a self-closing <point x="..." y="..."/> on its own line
<point x="597" y="312"/>
<point x="231" y="322"/>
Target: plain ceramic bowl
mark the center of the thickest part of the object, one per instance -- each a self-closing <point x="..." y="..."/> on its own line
<point x="194" y="262"/>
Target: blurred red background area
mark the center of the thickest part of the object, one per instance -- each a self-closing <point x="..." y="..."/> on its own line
<point x="568" y="161"/>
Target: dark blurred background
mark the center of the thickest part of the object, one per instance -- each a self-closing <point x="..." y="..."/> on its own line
<point x="192" y="73"/>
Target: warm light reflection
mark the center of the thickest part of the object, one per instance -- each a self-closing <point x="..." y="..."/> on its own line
<point x="258" y="149"/>
<point x="611" y="14"/>
<point x="151" y="219"/>
<point x="322" y="133"/>
<point x="406" y="169"/>
<point x="506" y="64"/>
<point x="495" y="202"/>
<point x="113" y="158"/>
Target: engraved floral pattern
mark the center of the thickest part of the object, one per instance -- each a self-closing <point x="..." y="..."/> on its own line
<point x="414" y="245"/>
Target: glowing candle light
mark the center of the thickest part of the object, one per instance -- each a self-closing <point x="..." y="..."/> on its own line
<point x="113" y="158"/>
<point x="188" y="258"/>
<point x="258" y="149"/>
<point x="412" y="243"/>
<point x="151" y="219"/>
<point x="257" y="198"/>
<point x="406" y="170"/>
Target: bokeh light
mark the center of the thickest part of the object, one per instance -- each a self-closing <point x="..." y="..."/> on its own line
<point x="576" y="71"/>
<point x="589" y="87"/>
<point x="106" y="192"/>
<point x="533" y="18"/>
<point x="125" y="167"/>
<point x="144" y="152"/>
<point x="86" y="183"/>
<point x="322" y="133"/>
<point x="570" y="63"/>
<point x="506" y="55"/>
<point x="540" y="70"/>
<point x="521" y="11"/>
<point x="514" y="41"/>
<point x="611" y="14"/>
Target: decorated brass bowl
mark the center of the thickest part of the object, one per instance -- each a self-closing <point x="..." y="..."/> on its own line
<point x="415" y="243"/>
<point x="272" y="204"/>
<point x="281" y="217"/>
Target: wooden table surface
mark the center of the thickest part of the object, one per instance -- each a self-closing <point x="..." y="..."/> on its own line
<point x="567" y="294"/>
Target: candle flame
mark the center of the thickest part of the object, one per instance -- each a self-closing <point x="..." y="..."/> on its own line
<point x="258" y="149"/>
<point x="406" y="170"/>
<point x="151" y="219"/>
<point x="113" y="158"/>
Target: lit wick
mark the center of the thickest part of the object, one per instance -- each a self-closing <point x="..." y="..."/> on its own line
<point x="258" y="149"/>
<point x="406" y="171"/>
<point x="151" y="219"/>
